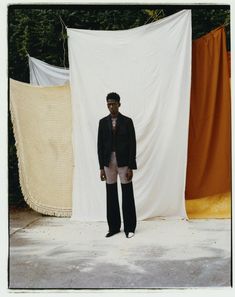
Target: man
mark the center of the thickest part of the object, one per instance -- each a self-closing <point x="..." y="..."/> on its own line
<point x="117" y="156"/>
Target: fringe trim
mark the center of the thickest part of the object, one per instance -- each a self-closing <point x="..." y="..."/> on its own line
<point x="44" y="209"/>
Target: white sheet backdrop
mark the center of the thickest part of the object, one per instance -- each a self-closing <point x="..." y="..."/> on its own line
<point x="150" y="67"/>
<point x="44" y="74"/>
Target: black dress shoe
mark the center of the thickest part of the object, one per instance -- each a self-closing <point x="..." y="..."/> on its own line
<point x="112" y="233"/>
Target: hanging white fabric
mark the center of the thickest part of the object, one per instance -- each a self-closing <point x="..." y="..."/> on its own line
<point x="150" y="68"/>
<point x="44" y="74"/>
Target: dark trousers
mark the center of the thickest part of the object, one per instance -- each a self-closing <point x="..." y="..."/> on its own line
<point x="128" y="207"/>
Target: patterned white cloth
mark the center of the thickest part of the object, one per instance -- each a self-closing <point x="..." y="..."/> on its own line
<point x="42" y="126"/>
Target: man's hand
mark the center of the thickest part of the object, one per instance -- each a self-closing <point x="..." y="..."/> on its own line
<point x="129" y="174"/>
<point x="102" y="175"/>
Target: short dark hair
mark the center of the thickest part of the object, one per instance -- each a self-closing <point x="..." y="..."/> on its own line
<point x="113" y="96"/>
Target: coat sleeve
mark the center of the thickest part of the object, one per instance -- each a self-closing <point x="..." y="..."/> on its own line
<point x="132" y="146"/>
<point x="100" y="146"/>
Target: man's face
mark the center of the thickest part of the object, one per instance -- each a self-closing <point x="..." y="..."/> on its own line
<point x="113" y="106"/>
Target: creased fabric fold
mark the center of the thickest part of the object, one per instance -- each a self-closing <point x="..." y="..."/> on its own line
<point x="44" y="74"/>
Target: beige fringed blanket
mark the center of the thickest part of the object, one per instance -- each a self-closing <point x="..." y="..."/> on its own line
<point x="41" y="119"/>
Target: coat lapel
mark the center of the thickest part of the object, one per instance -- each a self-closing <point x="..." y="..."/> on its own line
<point x="109" y="122"/>
<point x="119" y="119"/>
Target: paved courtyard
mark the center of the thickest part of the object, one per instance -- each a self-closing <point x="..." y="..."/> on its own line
<point x="49" y="252"/>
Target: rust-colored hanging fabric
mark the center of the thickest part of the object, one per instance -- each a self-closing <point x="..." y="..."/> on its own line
<point x="229" y="63"/>
<point x="209" y="147"/>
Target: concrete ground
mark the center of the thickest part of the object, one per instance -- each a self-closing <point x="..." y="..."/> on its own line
<point x="49" y="252"/>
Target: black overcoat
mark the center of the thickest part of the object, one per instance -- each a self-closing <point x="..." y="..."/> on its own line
<point x="125" y="142"/>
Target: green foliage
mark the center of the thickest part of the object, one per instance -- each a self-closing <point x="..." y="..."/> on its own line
<point x="207" y="20"/>
<point x="39" y="31"/>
